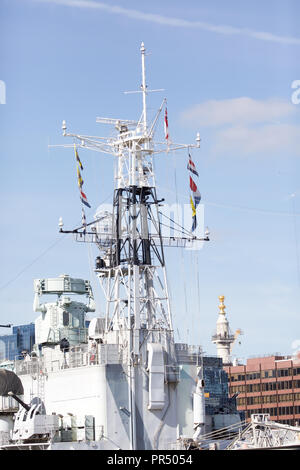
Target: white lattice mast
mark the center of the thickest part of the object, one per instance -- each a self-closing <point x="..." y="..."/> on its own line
<point x="135" y="194"/>
<point x="131" y="268"/>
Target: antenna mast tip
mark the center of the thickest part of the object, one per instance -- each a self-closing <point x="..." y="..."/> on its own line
<point x="64" y="127"/>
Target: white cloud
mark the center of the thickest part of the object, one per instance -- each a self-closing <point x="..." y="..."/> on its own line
<point x="237" y="111"/>
<point x="245" y="126"/>
<point x="175" y="22"/>
<point x="265" y="140"/>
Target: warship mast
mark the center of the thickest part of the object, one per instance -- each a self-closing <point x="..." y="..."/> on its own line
<point x="131" y="268"/>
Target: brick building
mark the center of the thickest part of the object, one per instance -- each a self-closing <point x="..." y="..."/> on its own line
<point x="267" y="385"/>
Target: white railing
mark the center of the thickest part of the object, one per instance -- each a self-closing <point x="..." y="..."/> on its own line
<point x="55" y="360"/>
<point x="8" y="404"/>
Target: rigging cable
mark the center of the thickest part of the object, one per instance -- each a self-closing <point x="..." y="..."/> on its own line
<point x="230" y="428"/>
<point x="173" y="221"/>
<point x="57" y="241"/>
<point x="192" y="297"/>
<point x="92" y="273"/>
<point x="196" y="288"/>
<point x="181" y="251"/>
<point x="198" y="291"/>
<point x="31" y="263"/>
<point x="243" y="208"/>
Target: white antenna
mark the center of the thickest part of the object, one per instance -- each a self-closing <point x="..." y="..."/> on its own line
<point x="144" y="87"/>
<point x="143" y="50"/>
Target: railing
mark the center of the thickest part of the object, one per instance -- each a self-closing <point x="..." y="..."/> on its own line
<point x="105" y="240"/>
<point x="276" y="354"/>
<point x="24" y="367"/>
<point x="82" y="356"/>
<point x="8" y="404"/>
<point x="222" y="337"/>
<point x="188" y="353"/>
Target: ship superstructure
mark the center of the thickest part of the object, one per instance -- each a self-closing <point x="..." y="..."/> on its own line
<point x="126" y="384"/>
<point x="65" y="317"/>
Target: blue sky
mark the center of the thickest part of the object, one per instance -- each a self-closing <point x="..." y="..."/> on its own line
<point x="227" y="69"/>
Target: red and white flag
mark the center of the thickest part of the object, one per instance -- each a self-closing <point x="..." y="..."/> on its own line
<point x="191" y="166"/>
<point x="166" y="126"/>
<point x="84" y="198"/>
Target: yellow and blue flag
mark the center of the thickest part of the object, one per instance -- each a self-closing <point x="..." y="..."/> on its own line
<point x="77" y="158"/>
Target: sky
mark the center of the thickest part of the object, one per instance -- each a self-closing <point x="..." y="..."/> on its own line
<point x="229" y="70"/>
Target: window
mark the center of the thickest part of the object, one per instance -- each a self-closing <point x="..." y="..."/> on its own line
<point x="66" y="318"/>
<point x="283" y="372"/>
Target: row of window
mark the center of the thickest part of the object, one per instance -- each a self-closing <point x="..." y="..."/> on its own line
<point x="268" y="399"/>
<point x="266" y="386"/>
<point x="280" y="411"/>
<point x="264" y="374"/>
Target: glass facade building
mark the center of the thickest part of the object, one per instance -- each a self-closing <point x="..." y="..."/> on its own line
<point x="21" y="339"/>
<point x="8" y="348"/>
<point x="217" y="399"/>
<point x="25" y="337"/>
